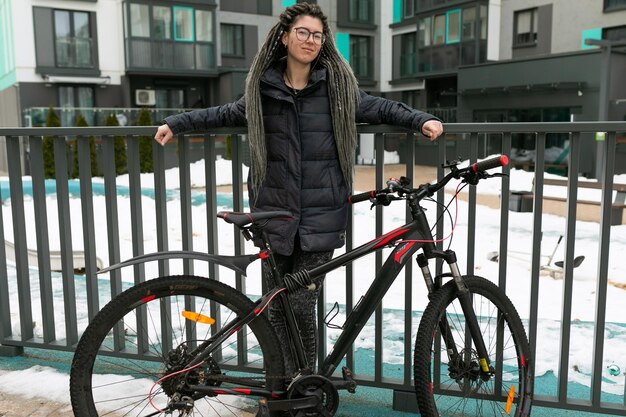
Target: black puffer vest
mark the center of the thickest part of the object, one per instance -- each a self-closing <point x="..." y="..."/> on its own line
<point x="303" y="171"/>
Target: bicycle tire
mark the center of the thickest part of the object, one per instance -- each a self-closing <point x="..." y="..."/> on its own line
<point x="458" y="388"/>
<point x="107" y="382"/>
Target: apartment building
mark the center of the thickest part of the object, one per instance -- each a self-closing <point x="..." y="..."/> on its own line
<point x="463" y="60"/>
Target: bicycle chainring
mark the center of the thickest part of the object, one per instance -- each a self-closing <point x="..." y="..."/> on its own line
<point x="314" y="385"/>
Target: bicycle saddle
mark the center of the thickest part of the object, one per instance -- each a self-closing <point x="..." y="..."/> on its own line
<point x="243" y="219"/>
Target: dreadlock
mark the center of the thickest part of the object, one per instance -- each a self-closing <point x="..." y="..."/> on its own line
<point x="343" y="93"/>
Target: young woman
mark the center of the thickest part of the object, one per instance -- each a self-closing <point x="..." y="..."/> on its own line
<point x="301" y="106"/>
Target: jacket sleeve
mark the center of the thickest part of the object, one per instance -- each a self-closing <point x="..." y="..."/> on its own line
<point x="231" y="114"/>
<point x="377" y="110"/>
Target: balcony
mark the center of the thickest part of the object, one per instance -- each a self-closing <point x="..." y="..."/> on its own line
<point x="448" y="58"/>
<point x="150" y="55"/>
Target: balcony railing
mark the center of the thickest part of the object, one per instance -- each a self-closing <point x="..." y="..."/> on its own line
<point x="95" y="116"/>
<point x="51" y="318"/>
<point x="145" y="53"/>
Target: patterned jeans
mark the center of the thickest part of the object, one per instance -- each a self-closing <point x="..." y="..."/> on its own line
<point x="303" y="302"/>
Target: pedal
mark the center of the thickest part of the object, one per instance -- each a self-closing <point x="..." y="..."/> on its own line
<point x="349" y="378"/>
<point x="264" y="410"/>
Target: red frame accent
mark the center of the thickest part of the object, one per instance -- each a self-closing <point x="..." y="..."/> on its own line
<point x="399" y="254"/>
<point x="386" y="238"/>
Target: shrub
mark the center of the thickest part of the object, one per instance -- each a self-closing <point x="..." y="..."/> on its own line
<point x="52" y="120"/>
<point x="119" y="144"/>
<point x="145" y="142"/>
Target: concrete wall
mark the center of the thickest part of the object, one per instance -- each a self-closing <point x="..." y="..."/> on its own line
<point x="569" y="19"/>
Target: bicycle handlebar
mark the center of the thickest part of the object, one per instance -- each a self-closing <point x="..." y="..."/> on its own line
<point x="499" y="161"/>
<point x="471" y="174"/>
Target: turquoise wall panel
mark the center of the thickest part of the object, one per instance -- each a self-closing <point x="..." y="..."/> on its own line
<point x="397" y="11"/>
<point x="595" y="33"/>
<point x="343" y="45"/>
<point x="7" y="50"/>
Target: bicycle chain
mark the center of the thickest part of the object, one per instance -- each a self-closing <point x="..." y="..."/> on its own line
<point x="223" y="377"/>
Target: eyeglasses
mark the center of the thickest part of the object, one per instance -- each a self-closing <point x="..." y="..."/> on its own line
<point x="303" y="35"/>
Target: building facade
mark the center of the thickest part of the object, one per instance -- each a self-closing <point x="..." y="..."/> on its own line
<point x="463" y="60"/>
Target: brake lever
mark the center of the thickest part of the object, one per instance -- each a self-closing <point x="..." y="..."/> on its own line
<point x="472" y="178"/>
<point x="382" y="200"/>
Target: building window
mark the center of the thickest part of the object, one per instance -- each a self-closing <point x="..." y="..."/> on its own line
<point x="360" y="11"/>
<point x="408" y="63"/>
<point x="453" y="26"/>
<point x="439" y="30"/>
<point x="409" y="9"/>
<point x="468" y="31"/>
<point x="80" y="100"/>
<point x="204" y="26"/>
<point x="617" y="33"/>
<point x="183" y="24"/>
<point x="73" y="43"/>
<point x="162" y="22"/>
<point x="360" y="53"/>
<point x="525" y="28"/>
<point x="483" y="22"/>
<point x="232" y="39"/>
<point x="610" y="5"/>
<point x="424" y="33"/>
<point x="139" y="20"/>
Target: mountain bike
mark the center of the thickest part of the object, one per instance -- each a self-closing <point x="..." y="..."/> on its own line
<point x="188" y="345"/>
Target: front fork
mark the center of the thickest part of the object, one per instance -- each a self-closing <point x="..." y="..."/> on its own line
<point x="465" y="299"/>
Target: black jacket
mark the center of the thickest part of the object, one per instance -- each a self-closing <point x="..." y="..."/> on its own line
<point x="303" y="172"/>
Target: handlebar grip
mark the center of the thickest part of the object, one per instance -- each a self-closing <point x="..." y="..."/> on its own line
<point x="357" y="198"/>
<point x="498" y="161"/>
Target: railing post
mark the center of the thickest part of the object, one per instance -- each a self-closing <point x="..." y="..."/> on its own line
<point x="61" y="167"/>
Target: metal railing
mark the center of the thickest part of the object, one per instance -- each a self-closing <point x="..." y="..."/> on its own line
<point x="39" y="307"/>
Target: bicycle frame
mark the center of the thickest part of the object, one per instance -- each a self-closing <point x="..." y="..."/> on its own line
<point x="408" y="239"/>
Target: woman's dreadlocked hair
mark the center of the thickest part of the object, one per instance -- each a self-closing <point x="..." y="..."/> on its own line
<point x="343" y="92"/>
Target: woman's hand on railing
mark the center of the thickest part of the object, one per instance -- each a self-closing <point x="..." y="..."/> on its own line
<point x="163" y="134"/>
<point x="432" y="129"/>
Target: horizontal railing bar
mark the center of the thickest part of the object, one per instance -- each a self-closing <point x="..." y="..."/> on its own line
<point x="450" y="128"/>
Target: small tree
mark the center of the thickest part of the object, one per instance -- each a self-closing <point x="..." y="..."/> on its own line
<point x="228" y="142"/>
<point x="52" y="120"/>
<point x="145" y="142"/>
<point x="119" y="144"/>
<point x="82" y="122"/>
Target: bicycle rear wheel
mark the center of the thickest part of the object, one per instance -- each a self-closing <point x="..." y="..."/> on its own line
<point x="454" y="385"/>
<point x="127" y="360"/>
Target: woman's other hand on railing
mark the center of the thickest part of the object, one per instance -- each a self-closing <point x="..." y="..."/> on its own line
<point x="163" y="134"/>
<point x="432" y="129"/>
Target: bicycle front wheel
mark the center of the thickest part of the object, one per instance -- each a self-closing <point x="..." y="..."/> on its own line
<point x="448" y="378"/>
<point x="132" y="359"/>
